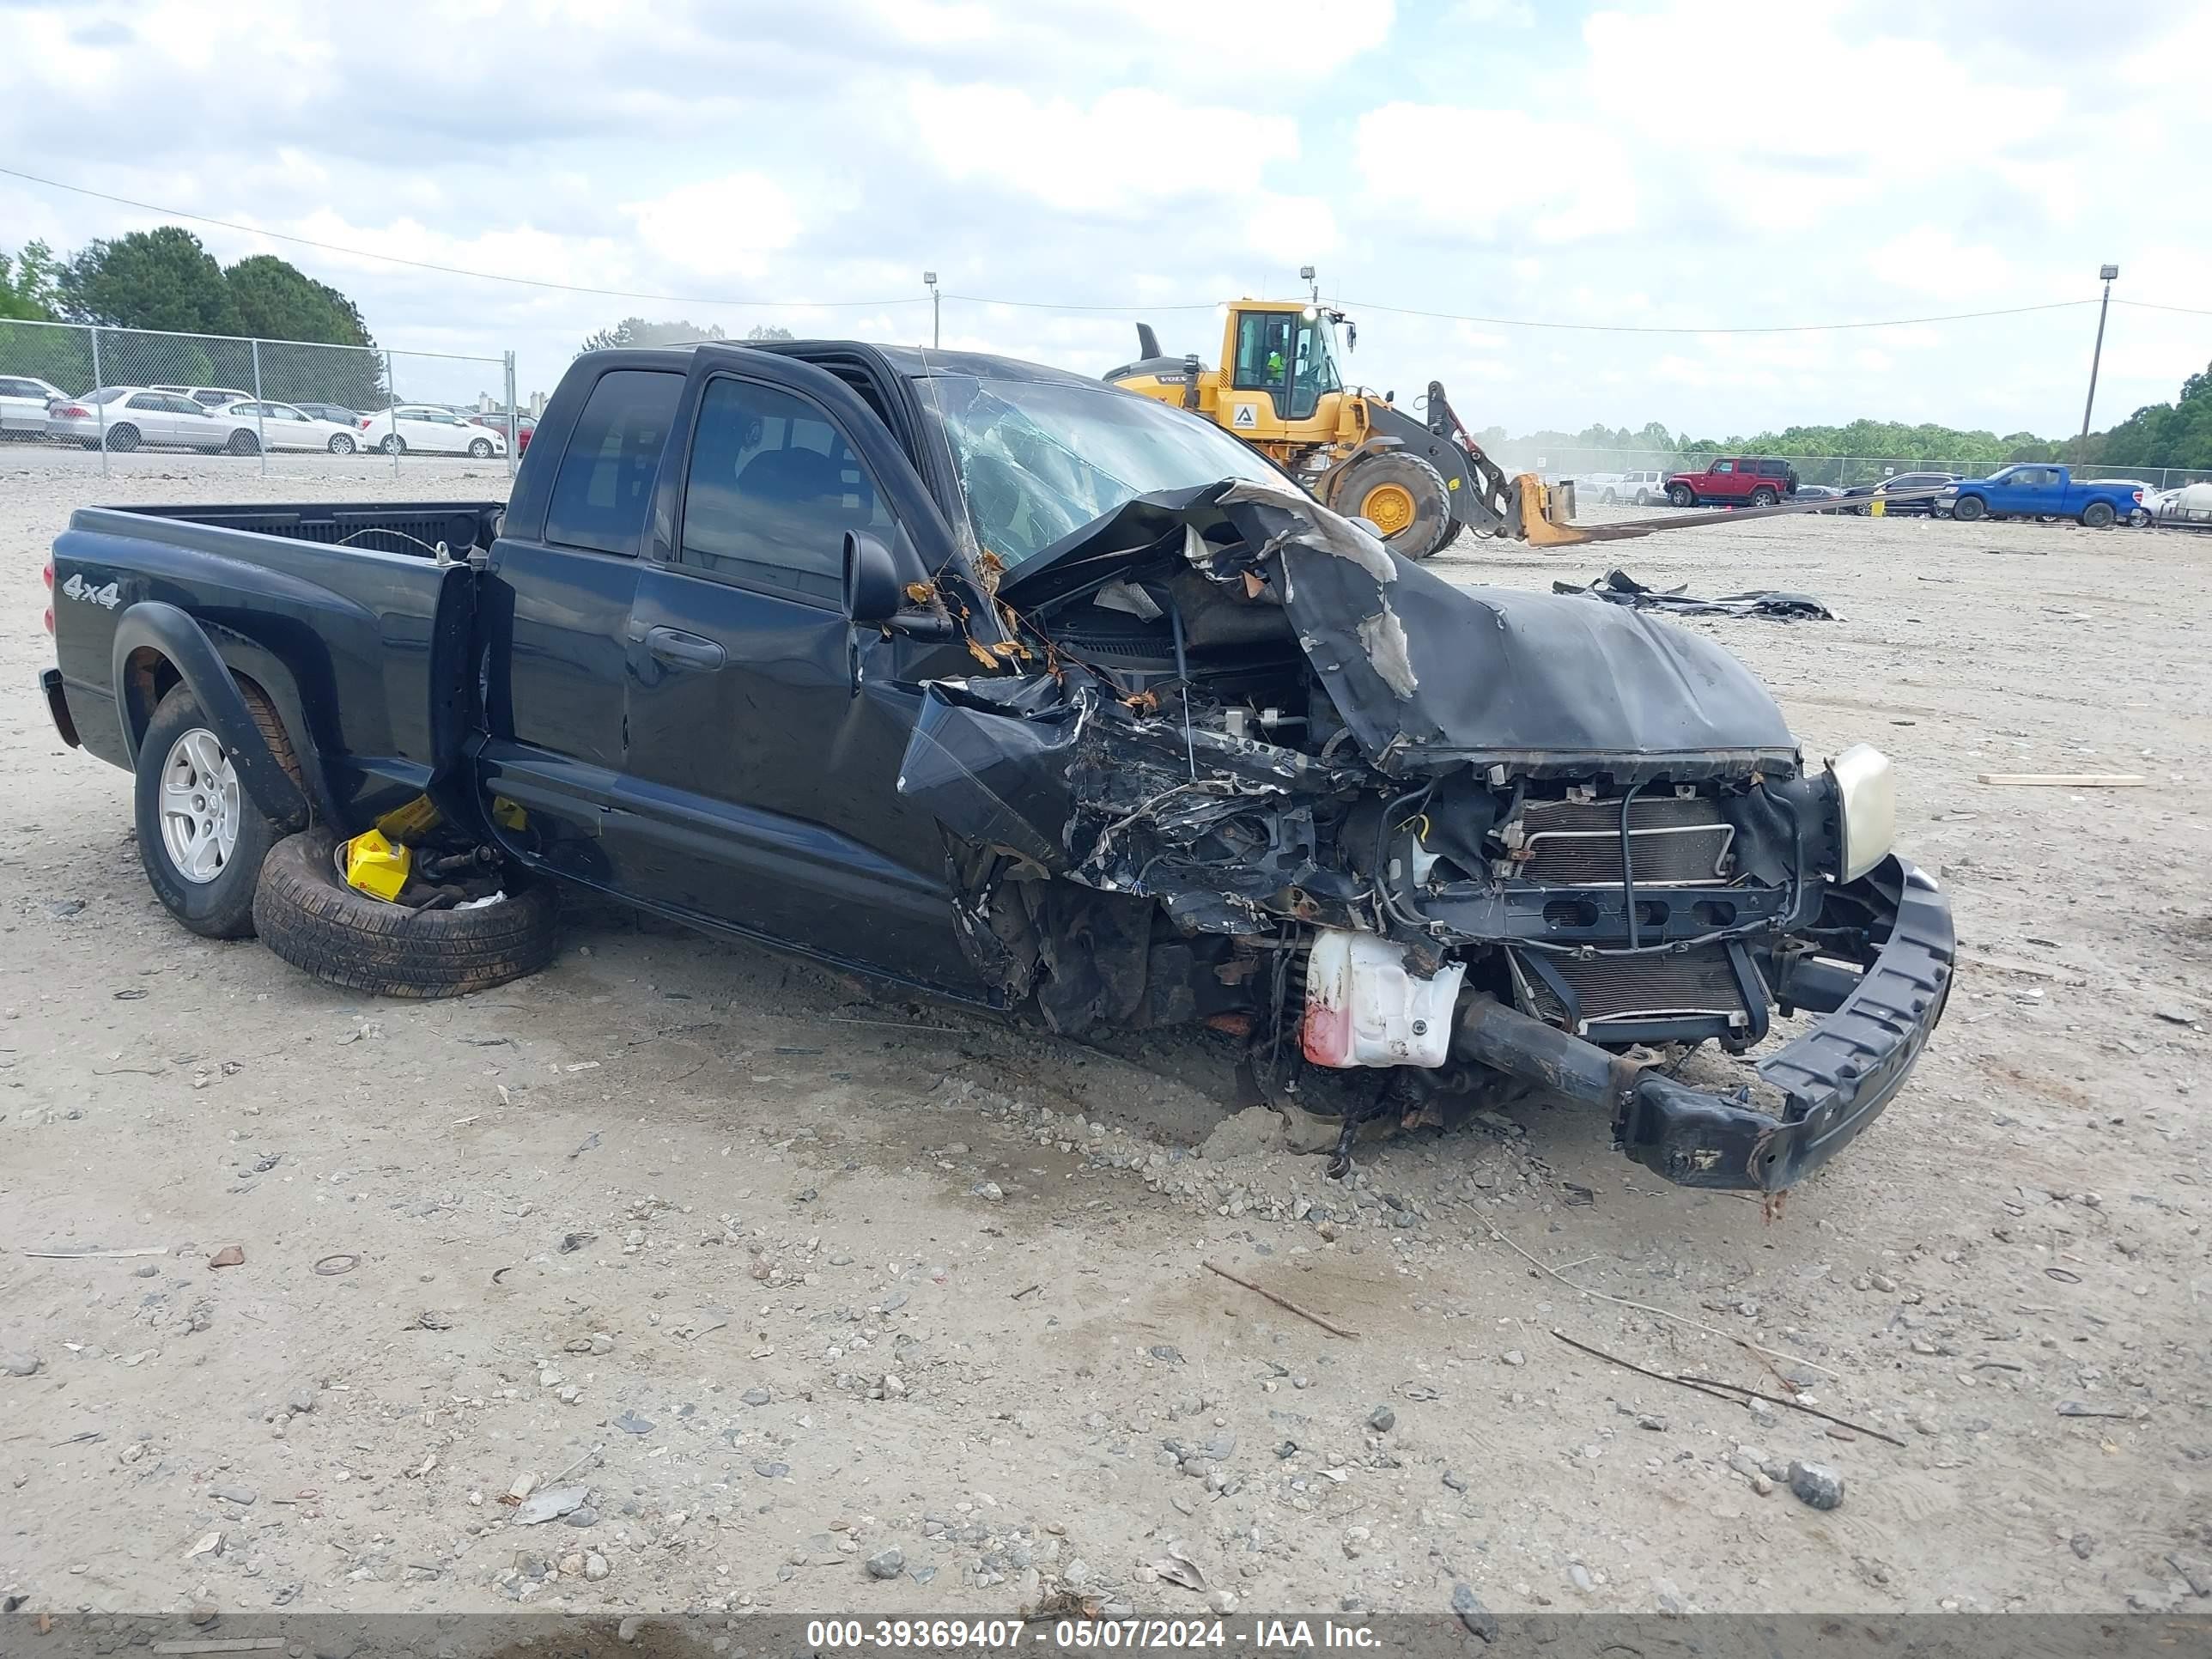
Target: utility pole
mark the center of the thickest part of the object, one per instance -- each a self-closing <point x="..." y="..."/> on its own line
<point x="936" y="308"/>
<point x="2107" y="273"/>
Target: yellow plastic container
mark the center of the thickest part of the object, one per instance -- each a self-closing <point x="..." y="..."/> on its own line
<point x="375" y="865"/>
<point x="409" y="823"/>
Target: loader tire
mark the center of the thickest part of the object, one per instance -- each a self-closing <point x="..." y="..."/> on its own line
<point x="313" y="920"/>
<point x="1403" y="496"/>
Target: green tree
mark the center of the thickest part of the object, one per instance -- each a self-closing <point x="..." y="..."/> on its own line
<point x="293" y="314"/>
<point x="769" y="331"/>
<point x="152" y="279"/>
<point x="2178" y="434"/>
<point x="26" y="284"/>
<point x="636" y="331"/>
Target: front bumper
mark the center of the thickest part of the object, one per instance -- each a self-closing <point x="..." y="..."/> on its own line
<point x="1834" y="1080"/>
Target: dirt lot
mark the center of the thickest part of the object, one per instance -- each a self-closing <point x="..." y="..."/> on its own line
<point x="789" y="1278"/>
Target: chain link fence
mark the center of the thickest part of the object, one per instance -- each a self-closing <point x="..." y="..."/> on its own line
<point x="277" y="405"/>
<point x="1839" y="470"/>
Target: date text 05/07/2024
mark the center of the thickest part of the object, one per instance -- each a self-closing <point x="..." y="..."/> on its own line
<point x="1141" y="1635"/>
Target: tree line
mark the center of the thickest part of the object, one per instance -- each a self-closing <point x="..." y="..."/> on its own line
<point x="164" y="281"/>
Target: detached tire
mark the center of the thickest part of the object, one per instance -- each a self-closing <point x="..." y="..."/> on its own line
<point x="1401" y="496"/>
<point x="313" y="920"/>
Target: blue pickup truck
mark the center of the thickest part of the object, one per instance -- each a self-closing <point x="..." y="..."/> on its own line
<point x="2036" y="490"/>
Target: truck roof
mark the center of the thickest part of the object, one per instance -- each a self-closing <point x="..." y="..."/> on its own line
<point x="912" y="362"/>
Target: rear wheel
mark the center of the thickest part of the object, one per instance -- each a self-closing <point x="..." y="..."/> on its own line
<point x="200" y="836"/>
<point x="1609" y="499"/>
<point x="394" y="444"/>
<point x="1403" y="496"/>
<point x="2098" y="514"/>
<point x="1681" y="494"/>
<point x="481" y="448"/>
<point x="311" y="918"/>
<point x="1969" y="508"/>
<point x="1763" y="496"/>
<point x="1643" y="498"/>
<point x="123" y="439"/>
<point x="243" y="443"/>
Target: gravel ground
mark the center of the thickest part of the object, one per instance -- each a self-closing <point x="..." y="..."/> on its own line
<point x="829" y="1301"/>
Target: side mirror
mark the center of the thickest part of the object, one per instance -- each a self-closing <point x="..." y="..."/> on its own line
<point x="873" y="593"/>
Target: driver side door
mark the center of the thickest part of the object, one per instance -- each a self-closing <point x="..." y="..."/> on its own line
<point x="765" y="731"/>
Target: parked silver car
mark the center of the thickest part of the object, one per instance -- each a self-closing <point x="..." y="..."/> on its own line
<point x="137" y="417"/>
<point x="24" y="399"/>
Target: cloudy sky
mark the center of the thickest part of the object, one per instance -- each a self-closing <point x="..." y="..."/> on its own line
<point x="1687" y="164"/>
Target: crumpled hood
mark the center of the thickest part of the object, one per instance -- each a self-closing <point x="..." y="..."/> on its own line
<point x="1429" y="676"/>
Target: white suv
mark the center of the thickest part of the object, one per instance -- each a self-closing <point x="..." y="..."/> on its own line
<point x="1642" y="487"/>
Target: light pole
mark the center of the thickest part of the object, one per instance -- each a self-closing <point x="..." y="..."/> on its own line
<point x="2107" y="273"/>
<point x="1306" y="275"/>
<point x="936" y="315"/>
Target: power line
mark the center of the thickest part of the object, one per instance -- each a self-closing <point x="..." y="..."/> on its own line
<point x="1763" y="328"/>
<point x="453" y="270"/>
<point x="1045" y="304"/>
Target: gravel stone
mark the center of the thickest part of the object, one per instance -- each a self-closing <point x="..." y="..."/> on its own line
<point x="886" y="1563"/>
<point x="1816" y="1484"/>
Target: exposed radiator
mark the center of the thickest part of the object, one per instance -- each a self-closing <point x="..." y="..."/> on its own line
<point x="1665" y="985"/>
<point x="1678" y="843"/>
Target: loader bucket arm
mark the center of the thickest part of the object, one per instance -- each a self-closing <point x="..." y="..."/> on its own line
<point x="1482" y="498"/>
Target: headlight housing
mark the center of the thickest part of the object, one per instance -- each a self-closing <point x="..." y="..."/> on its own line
<point x="1866" y="804"/>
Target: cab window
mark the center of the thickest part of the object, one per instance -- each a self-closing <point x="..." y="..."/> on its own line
<point x="1723" y="466"/>
<point x="1265" y="348"/>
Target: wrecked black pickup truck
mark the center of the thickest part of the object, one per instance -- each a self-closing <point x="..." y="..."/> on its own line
<point x="990" y="681"/>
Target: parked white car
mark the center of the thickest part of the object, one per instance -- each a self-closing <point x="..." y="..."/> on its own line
<point x="426" y="427"/>
<point x="23" y="401"/>
<point x="128" y="417"/>
<point x="1643" y="488"/>
<point x="280" y="426"/>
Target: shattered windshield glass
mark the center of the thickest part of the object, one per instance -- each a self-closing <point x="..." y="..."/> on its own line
<point x="1038" y="460"/>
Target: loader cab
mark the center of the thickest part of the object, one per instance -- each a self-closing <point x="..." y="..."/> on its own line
<point x="1286" y="355"/>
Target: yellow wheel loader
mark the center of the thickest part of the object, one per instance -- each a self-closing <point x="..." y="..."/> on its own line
<point x="1419" y="482"/>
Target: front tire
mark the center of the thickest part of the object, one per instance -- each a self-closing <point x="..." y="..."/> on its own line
<point x="1401" y="496"/>
<point x="481" y="448"/>
<point x="1968" y="508"/>
<point x="309" y="917"/>
<point x="243" y="443"/>
<point x="394" y="444"/>
<point x="342" y="445"/>
<point x="1681" y="494"/>
<point x="2096" y="515"/>
<point x="201" y="838"/>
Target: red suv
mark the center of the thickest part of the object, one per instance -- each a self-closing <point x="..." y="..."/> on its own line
<point x="1740" y="480"/>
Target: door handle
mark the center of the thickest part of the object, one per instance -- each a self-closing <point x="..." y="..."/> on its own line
<point x="672" y="648"/>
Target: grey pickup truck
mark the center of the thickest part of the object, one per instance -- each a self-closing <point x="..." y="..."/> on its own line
<point x="994" y="682"/>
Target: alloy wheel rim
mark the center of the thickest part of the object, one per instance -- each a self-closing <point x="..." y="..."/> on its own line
<point x="198" y="807"/>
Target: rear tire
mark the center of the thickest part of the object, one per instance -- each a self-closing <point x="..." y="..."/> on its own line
<point x="312" y="919"/>
<point x="1643" y="498"/>
<point x="201" y="838"/>
<point x="1764" y="497"/>
<point x="1681" y="494"/>
<point x="1968" y="508"/>
<point x="2096" y="515"/>
<point x="1403" y="496"/>
<point x="122" y="439"/>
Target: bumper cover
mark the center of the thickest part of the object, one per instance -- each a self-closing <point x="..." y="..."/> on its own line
<point x="1835" y="1079"/>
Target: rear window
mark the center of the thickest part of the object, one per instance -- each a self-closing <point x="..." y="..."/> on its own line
<point x="599" y="494"/>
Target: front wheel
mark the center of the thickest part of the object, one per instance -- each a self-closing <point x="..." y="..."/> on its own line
<point x="1403" y="496"/>
<point x="1681" y="494"/>
<point x="1969" y="508"/>
<point x="341" y="444"/>
<point x="2096" y="515"/>
<point x="243" y="443"/>
<point x="394" y="444"/>
<point x="1764" y="497"/>
<point x="200" y="836"/>
<point x="481" y="448"/>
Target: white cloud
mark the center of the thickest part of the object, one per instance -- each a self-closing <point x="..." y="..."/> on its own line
<point x="730" y="225"/>
<point x="1554" y="180"/>
<point x="1930" y="259"/>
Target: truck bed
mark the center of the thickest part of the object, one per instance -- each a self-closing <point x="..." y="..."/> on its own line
<point x="416" y="527"/>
